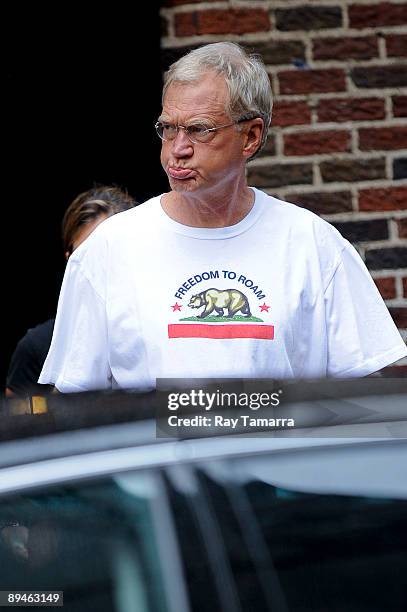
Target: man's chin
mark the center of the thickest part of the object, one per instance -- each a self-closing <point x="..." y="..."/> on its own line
<point x="182" y="185"/>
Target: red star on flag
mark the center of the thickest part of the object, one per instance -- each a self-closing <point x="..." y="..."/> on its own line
<point x="176" y="306"/>
<point x="264" y="307"/>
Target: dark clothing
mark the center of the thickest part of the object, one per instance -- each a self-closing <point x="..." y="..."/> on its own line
<point x="28" y="359"/>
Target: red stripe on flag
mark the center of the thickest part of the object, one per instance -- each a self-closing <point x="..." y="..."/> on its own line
<point x="233" y="330"/>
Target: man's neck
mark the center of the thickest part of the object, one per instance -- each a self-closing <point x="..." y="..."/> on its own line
<point x="222" y="210"/>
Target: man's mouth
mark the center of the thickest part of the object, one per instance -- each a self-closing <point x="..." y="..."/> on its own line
<point x="180" y="173"/>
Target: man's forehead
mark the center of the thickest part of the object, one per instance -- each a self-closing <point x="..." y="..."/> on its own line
<point x="210" y="94"/>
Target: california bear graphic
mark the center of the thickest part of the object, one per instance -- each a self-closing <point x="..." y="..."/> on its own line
<point x="215" y="299"/>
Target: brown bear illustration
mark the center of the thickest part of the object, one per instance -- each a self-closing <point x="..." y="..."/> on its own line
<point x="215" y="299"/>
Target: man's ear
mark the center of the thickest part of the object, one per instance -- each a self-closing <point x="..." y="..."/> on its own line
<point x="67" y="254"/>
<point x="253" y="134"/>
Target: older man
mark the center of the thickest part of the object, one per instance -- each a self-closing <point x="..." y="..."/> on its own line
<point x="215" y="278"/>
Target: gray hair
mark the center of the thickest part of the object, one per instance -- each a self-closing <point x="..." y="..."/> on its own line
<point x="248" y="83"/>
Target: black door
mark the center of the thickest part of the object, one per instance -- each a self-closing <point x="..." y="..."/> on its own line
<point x="81" y="95"/>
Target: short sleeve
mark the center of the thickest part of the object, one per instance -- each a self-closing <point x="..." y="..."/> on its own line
<point x="78" y="356"/>
<point x="361" y="335"/>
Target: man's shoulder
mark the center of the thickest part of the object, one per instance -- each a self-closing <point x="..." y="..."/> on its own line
<point x="132" y="218"/>
<point x="303" y="230"/>
<point x="132" y="225"/>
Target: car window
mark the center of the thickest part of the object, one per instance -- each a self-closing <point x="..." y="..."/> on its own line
<point x="293" y="550"/>
<point x="197" y="546"/>
<point x="95" y="541"/>
<point x="333" y="552"/>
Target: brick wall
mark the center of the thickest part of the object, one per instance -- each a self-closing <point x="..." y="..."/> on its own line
<point x="338" y="142"/>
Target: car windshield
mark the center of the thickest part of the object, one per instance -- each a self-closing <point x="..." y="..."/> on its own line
<point x="95" y="541"/>
<point x="289" y="549"/>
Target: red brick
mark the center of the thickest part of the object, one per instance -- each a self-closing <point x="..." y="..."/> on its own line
<point x="291" y="113"/>
<point x="387" y="198"/>
<point x="399" y="106"/>
<point x="402" y="228"/>
<point x="311" y="81"/>
<point x="387" y="138"/>
<point x="351" y="109"/>
<point x="386" y="286"/>
<point x="323" y="202"/>
<point x="399" y="317"/>
<point x="217" y="21"/>
<point x="405" y="286"/>
<point x="396" y="45"/>
<point x="315" y="143"/>
<point x="377" y="15"/>
<point x="345" y="48"/>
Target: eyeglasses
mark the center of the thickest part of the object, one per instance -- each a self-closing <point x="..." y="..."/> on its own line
<point x="197" y="133"/>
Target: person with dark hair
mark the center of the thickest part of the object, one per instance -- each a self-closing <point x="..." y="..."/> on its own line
<point x="89" y="209"/>
<point x="234" y="283"/>
<point x="81" y="218"/>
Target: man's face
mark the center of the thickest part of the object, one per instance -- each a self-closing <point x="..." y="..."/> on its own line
<point x="201" y="167"/>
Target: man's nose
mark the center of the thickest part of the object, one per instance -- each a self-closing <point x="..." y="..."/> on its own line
<point x="181" y="145"/>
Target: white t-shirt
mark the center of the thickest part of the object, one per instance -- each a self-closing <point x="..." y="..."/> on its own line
<point x="278" y="295"/>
